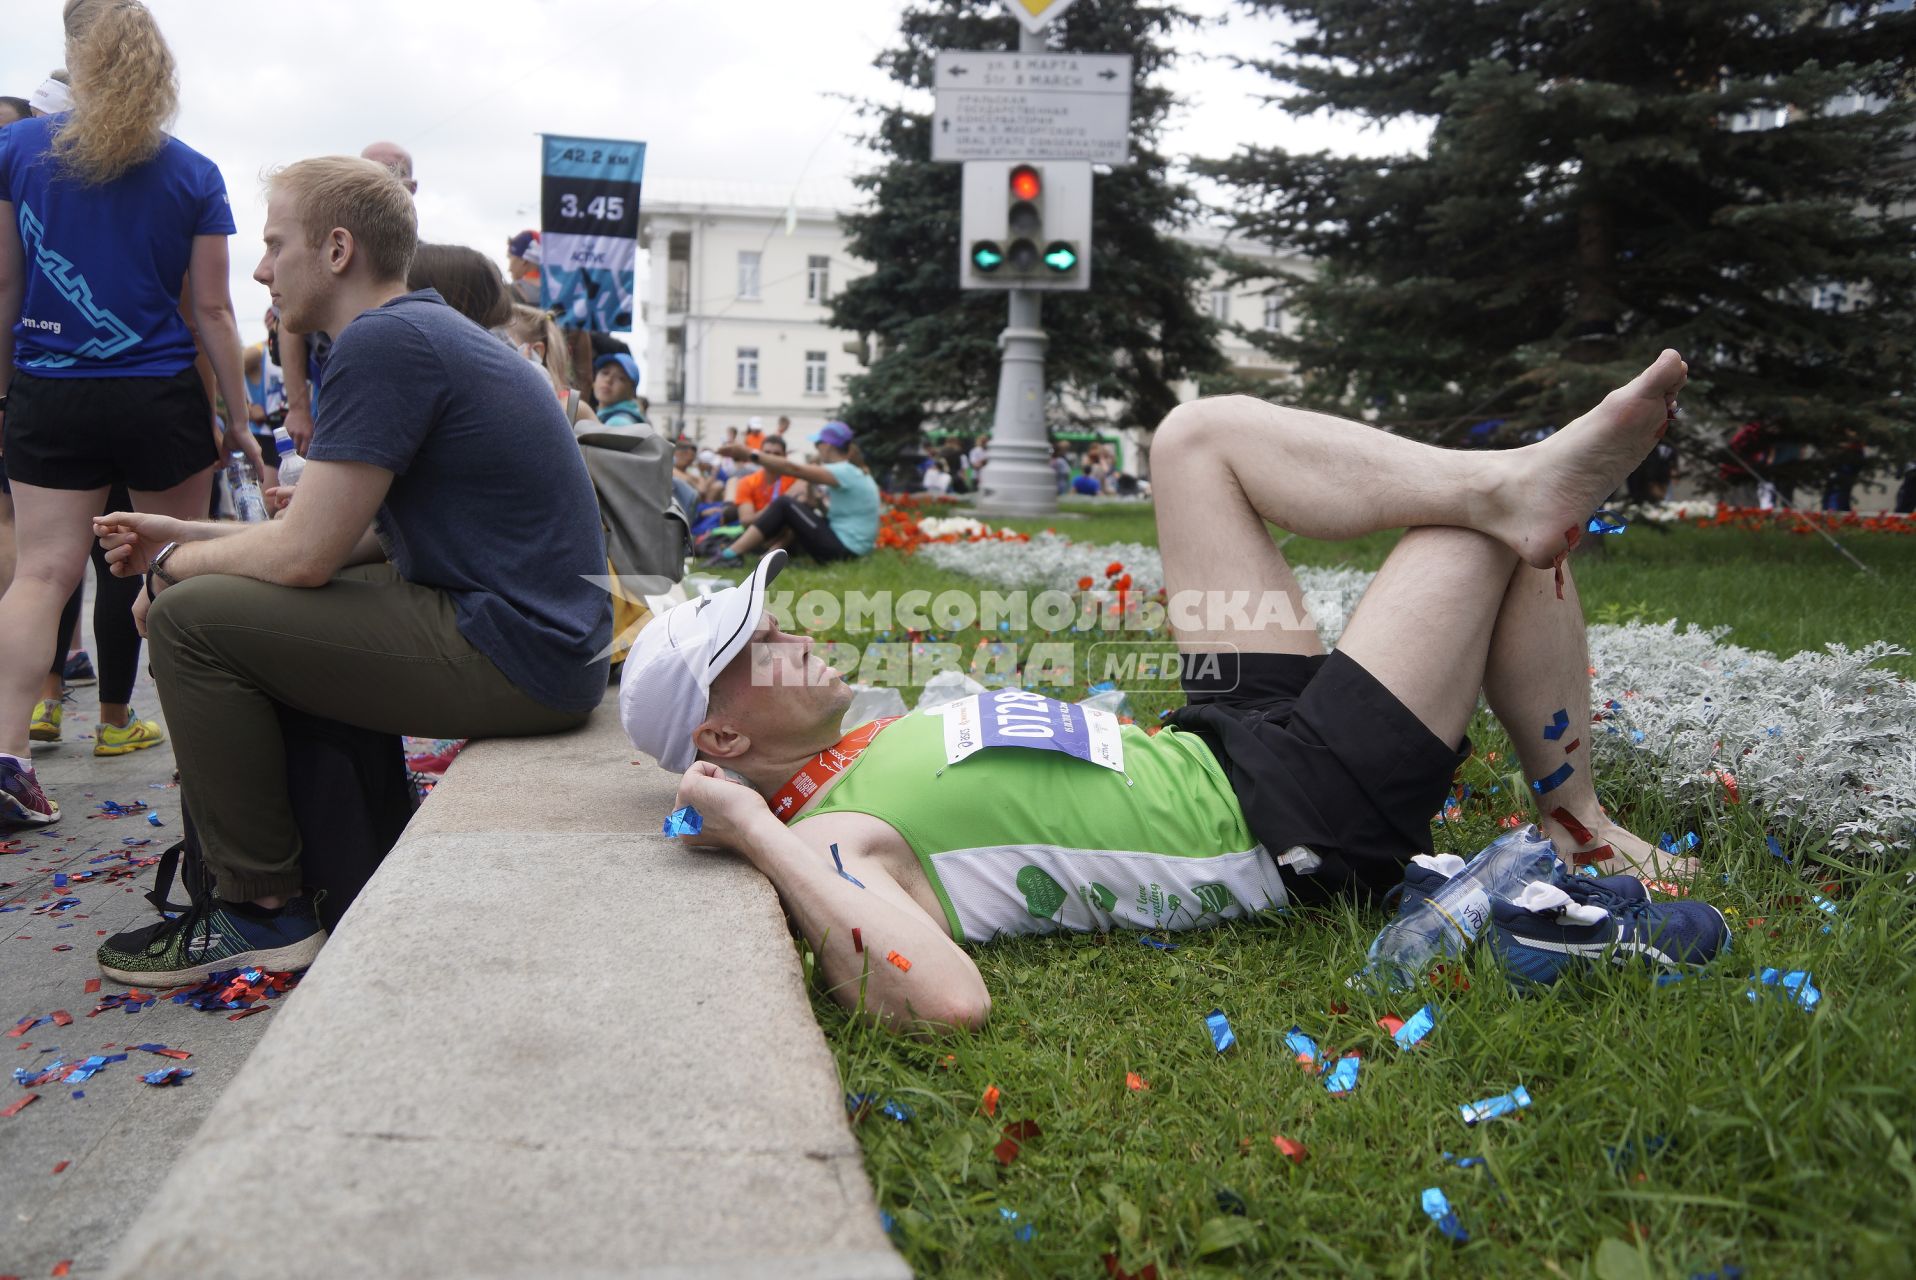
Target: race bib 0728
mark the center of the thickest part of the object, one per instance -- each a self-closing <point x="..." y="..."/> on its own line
<point x="1014" y="718"/>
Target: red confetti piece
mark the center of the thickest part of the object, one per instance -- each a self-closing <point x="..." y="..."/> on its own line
<point x="1295" y="1150"/>
<point x="1117" y="1272"/>
<point x="1591" y="857"/>
<point x="1006" y="1151"/>
<point x="989" y="1103"/>
<point x="61" y="1167"/>
<point x="1728" y="780"/>
<point x="1664" y="886"/>
<point x="1135" y="1082"/>
<point x="13" y="1109"/>
<point x="1568" y="821"/>
<point x="61" y="1018"/>
<point x="1023" y="1130"/>
<point x="1391" y="1024"/>
<point x="1574" y="744"/>
<point x="858" y="943"/>
<point x="62" y="1268"/>
<point x="904" y="965"/>
<point x="1339" y="1008"/>
<point x="246" y="1013"/>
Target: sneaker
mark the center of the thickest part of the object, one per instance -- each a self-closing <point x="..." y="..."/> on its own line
<point x="110" y="740"/>
<point x="22" y="802"/>
<point x="212" y="935"/>
<point x="435" y="755"/>
<point x="1574" y="920"/>
<point x="46" y="721"/>
<point x="79" y="669"/>
<point x="1428" y="873"/>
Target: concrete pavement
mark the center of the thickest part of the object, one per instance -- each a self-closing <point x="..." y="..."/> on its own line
<point x="117" y="1140"/>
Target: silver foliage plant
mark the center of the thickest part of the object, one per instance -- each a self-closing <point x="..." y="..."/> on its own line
<point x="1819" y="742"/>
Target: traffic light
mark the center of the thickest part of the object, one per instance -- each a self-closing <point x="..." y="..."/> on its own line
<point x="1025" y="226"/>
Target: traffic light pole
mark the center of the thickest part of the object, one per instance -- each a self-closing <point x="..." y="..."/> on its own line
<point x="1017" y="479"/>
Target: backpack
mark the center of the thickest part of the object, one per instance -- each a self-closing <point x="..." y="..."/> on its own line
<point x="646" y="532"/>
<point x="351" y="799"/>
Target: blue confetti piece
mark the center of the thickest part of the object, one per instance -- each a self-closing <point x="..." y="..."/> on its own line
<point x="168" y="1075"/>
<point x="1501" y="1105"/>
<point x="1669" y="844"/>
<point x="1824" y="905"/>
<point x="1605" y="522"/>
<point x="1343" y="1077"/>
<point x="897" y="1111"/>
<point x="1102" y="686"/>
<point x="1544" y="786"/>
<point x="1634" y="1151"/>
<point x="1024" y="1231"/>
<point x="153" y="820"/>
<point x="1724" y="1273"/>
<point x="839" y="863"/>
<point x="1221" y="1037"/>
<point x="1794" y="985"/>
<point x="1636" y="736"/>
<point x="59" y="879"/>
<point x="684" y="822"/>
<point x="1158" y="943"/>
<point x="1464" y="1162"/>
<point x="1438" y="1207"/>
<point x="1303" y="1046"/>
<point x="1415" y="1028"/>
<point x="886" y="1221"/>
<point x="1558" y="723"/>
<point x="1776" y="847"/>
<point x="853" y="1101"/>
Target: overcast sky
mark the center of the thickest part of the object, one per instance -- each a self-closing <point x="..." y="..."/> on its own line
<point x="749" y="90"/>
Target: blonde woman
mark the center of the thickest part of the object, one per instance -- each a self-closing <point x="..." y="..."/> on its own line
<point x="540" y="340"/>
<point x="102" y="215"/>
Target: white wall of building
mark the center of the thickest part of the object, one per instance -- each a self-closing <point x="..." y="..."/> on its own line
<point x="726" y="342"/>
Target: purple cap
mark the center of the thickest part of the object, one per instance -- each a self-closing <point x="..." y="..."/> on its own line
<point x="835" y="434"/>
<point x="524" y="245"/>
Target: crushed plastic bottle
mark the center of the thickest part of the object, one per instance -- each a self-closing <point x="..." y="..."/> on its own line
<point x="1116" y="701"/>
<point x="947" y="686"/>
<point x="869" y="704"/>
<point x="1444" y="925"/>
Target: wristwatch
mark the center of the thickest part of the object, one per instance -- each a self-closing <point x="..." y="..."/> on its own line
<point x="755" y="461"/>
<point x="159" y="564"/>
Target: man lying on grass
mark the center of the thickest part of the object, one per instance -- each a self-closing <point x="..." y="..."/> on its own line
<point x="1290" y="775"/>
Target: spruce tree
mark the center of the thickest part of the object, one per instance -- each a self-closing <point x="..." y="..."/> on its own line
<point x="1605" y="178"/>
<point x="1135" y="333"/>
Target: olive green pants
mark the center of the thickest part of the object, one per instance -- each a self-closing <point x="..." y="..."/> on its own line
<point x="368" y="649"/>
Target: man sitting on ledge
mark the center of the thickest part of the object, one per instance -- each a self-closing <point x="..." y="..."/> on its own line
<point x="1290" y="775"/>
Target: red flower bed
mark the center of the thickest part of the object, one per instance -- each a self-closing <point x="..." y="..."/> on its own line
<point x="1805" y="523"/>
<point x="900" y="528"/>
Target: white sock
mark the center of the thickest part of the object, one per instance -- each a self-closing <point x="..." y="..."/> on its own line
<point x="22" y="761"/>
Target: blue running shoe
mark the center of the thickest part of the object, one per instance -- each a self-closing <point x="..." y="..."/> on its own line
<point x="1574" y="921"/>
<point x="79" y="669"/>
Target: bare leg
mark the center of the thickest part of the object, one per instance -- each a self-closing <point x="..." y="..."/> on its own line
<point x="6" y="542"/>
<point x="1539" y="668"/>
<point x="55" y="527"/>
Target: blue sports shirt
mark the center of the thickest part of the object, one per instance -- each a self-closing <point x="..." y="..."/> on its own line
<point x="106" y="264"/>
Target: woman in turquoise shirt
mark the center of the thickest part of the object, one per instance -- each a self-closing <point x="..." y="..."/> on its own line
<point x="847" y="531"/>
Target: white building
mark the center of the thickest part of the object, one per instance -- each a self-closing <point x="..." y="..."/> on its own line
<point x="1252" y="305"/>
<point x="735" y="304"/>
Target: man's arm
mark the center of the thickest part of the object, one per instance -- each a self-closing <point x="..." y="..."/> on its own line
<point x="299" y="395"/>
<point x="326" y="530"/>
<point x="936" y="988"/>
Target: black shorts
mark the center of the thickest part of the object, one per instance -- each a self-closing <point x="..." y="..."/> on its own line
<point x="1322" y="755"/>
<point x="89" y="433"/>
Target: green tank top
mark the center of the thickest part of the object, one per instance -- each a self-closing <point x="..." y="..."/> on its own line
<point x="1016" y="841"/>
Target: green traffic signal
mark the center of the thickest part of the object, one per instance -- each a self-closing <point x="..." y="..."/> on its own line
<point x="1061" y="256"/>
<point x="986" y="256"/>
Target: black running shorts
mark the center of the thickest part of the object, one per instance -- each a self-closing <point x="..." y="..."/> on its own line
<point x="1320" y="754"/>
<point x="88" y="433"/>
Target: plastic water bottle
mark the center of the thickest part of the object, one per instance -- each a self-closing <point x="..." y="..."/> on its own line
<point x="869" y="704"/>
<point x="248" y="503"/>
<point x="290" y="463"/>
<point x="1449" y="922"/>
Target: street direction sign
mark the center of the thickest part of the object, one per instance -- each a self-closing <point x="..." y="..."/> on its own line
<point x="1032" y="106"/>
<point x="1033" y="15"/>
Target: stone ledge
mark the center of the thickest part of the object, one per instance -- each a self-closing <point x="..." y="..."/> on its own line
<point x="545" y="1041"/>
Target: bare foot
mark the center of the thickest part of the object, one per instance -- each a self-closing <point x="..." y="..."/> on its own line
<point x="1560" y="482"/>
<point x="1628" y="854"/>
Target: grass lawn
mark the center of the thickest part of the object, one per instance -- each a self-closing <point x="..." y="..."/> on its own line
<point x="1675" y="1130"/>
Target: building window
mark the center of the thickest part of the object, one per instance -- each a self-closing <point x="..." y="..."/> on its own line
<point x="818" y="278"/>
<point x="1221" y="305"/>
<point x="748" y="273"/>
<point x="748" y="366"/>
<point x="1273" y="311"/>
<point x="814" y="373"/>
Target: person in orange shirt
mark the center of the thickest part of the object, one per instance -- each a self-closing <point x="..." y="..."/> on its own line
<point x="754" y="433"/>
<point x="755" y="492"/>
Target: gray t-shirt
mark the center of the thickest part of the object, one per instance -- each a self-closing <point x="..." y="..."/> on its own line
<point x="490" y="500"/>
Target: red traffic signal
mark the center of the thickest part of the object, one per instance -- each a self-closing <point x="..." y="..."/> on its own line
<point x="1025" y="183"/>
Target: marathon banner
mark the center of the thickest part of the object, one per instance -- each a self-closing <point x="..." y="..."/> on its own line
<point x="1014" y="718"/>
<point x="589" y="231"/>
